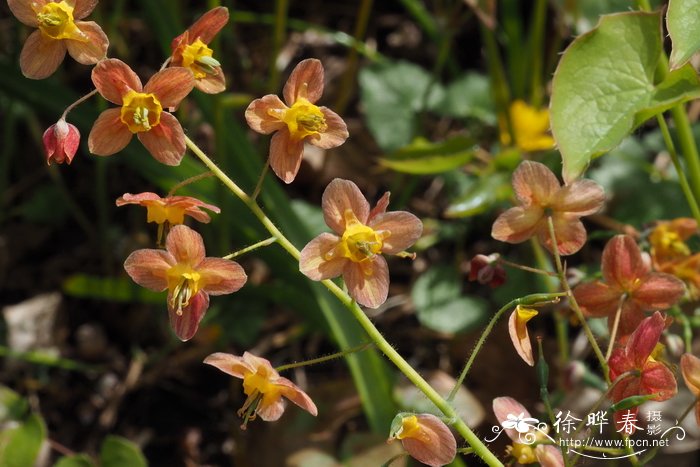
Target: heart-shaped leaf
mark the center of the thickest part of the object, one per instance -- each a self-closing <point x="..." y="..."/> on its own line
<point x="683" y="22"/>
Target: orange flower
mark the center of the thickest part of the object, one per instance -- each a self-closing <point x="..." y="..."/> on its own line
<point x="263" y="385"/>
<point x="627" y="277"/>
<point x="426" y="438"/>
<point x="541" y="196"/>
<point x="362" y="235"/>
<point x="57" y="32"/>
<point x="517" y="328"/>
<point x="61" y="141"/>
<point x="190" y="50"/>
<point x="297" y="122"/>
<point x="648" y="376"/>
<point x="141" y="111"/>
<point x="530" y="128"/>
<point x="188" y="276"/>
<point x="670" y="253"/>
<point x="690" y="368"/>
<point x="526" y="434"/>
<point x="171" y="209"/>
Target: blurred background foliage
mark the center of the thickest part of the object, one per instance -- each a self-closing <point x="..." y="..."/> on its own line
<point x="425" y="87"/>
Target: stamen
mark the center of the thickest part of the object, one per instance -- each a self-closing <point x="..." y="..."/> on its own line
<point x="141" y="117"/>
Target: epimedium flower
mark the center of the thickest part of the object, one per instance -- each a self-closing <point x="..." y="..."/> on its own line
<point x="191" y="50"/>
<point x="627" y="282"/>
<point x="540" y="196"/>
<point x="639" y="358"/>
<point x="487" y="270"/>
<point x="263" y="385"/>
<point x="188" y="276"/>
<point x="690" y="369"/>
<point x="61" y="141"/>
<point x="361" y="236"/>
<point x="58" y="31"/>
<point x="141" y="111"/>
<point x="425" y="437"/>
<point x="671" y="254"/>
<point x="296" y="120"/>
<point x="526" y="434"/>
<point x="530" y="128"/>
<point x="517" y="328"/>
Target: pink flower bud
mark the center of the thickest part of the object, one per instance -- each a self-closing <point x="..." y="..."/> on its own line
<point x="486" y="270"/>
<point x="61" y="142"/>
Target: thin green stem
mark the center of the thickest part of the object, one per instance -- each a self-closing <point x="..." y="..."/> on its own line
<point x="188" y="181"/>
<point x="537" y="27"/>
<point x="254" y="246"/>
<point x="531" y="300"/>
<point x="682" y="180"/>
<point x="347" y="83"/>
<point x="78" y="102"/>
<point x="375" y="336"/>
<point x="527" y="268"/>
<point x="258" y="186"/>
<point x="573" y="303"/>
<point x="688" y="409"/>
<point x="325" y="358"/>
<point x="280" y="29"/>
<point x="616" y="324"/>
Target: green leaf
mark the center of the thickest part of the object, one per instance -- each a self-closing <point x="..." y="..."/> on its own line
<point x="422" y="157"/>
<point x="392" y="94"/>
<point x="603" y="80"/>
<point x="78" y="460"/>
<point x="12" y="405"/>
<point x="440" y="305"/>
<point x="483" y="193"/>
<point x="116" y="289"/>
<point x="118" y="452"/>
<point x="679" y="86"/>
<point x="19" y="447"/>
<point x="683" y="22"/>
<point x="469" y="96"/>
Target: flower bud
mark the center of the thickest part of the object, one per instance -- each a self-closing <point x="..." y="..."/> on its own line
<point x="425" y="437"/>
<point x="486" y="270"/>
<point x="61" y="142"/>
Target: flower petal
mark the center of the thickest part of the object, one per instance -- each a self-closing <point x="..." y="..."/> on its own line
<point x="339" y="196"/>
<point x="259" y="114"/>
<point x="41" y="55"/>
<point x="569" y="231"/>
<point x="185" y="325"/>
<point x="23" y="11"/>
<point x="305" y="81"/>
<point x="260" y="365"/>
<point x="185" y="245"/>
<point x="549" y="456"/>
<point x="505" y="406"/>
<point x="517" y="224"/>
<point x="336" y="132"/>
<point x="597" y="299"/>
<point x="690" y="368"/>
<point x="583" y="197"/>
<point x="630" y="319"/>
<point x="517" y="328"/>
<point x="441" y="448"/>
<point x="94" y="49"/>
<point x="128" y="198"/>
<point x="230" y="364"/>
<point x="170" y="86"/>
<point x="658" y="291"/>
<point x="368" y="284"/>
<point x="313" y="263"/>
<point x="108" y="135"/>
<point x="658" y="379"/>
<point x="292" y="392"/>
<point x="165" y="142"/>
<point x="271" y="407"/>
<point x="208" y="25"/>
<point x="404" y="227"/>
<point x="221" y="276"/>
<point x="113" y="79"/>
<point x="534" y="184"/>
<point x="643" y="340"/>
<point x="380" y="207"/>
<point x="285" y="155"/>
<point x="212" y="83"/>
<point x="148" y="268"/>
<point x="622" y="262"/>
<point x="82" y="8"/>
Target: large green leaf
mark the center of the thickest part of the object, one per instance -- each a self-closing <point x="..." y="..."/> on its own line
<point x="78" y="460"/>
<point x="683" y="22"/>
<point x="119" y="452"/>
<point x="604" y="86"/>
<point x="19" y="447"/>
<point x="422" y="157"/>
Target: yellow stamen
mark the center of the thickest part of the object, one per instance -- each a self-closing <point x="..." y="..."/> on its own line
<point x="359" y="242"/>
<point x="197" y="56"/>
<point x="411" y="428"/>
<point x="523" y="453"/>
<point x="303" y="119"/>
<point x="55" y="20"/>
<point x="183" y="283"/>
<point x="159" y="212"/>
<point x="140" y="111"/>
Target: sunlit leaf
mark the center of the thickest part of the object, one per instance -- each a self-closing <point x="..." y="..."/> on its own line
<point x="683" y="22"/>
<point x="116" y="289"/>
<point x="118" y="452"/>
<point x="422" y="157"/>
<point x="78" y="460"/>
<point x="19" y="447"/>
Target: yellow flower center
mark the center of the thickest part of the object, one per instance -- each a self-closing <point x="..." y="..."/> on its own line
<point x="184" y="283"/>
<point x="523" y="453"/>
<point x="411" y="428"/>
<point x="670" y="240"/>
<point x="140" y="111"/>
<point x="198" y="58"/>
<point x="56" y="21"/>
<point x="359" y="242"/>
<point x="159" y="212"/>
<point x="303" y="119"/>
